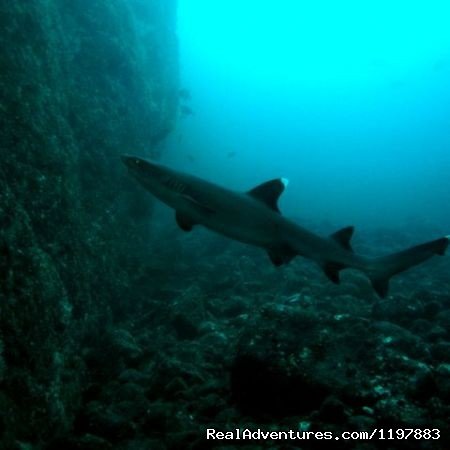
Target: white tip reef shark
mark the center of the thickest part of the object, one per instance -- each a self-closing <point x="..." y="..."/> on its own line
<point x="253" y="217"/>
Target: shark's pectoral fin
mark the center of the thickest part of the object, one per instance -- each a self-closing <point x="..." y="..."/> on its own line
<point x="343" y="237"/>
<point x="183" y="221"/>
<point x="332" y="270"/>
<point x="269" y="192"/>
<point x="281" y="255"/>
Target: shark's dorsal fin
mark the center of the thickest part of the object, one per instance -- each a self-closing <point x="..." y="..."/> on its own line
<point x="343" y="237"/>
<point x="269" y="192"/>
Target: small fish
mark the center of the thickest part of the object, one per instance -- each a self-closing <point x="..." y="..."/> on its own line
<point x="186" y="110"/>
<point x="191" y="158"/>
<point x="231" y="154"/>
<point x="159" y="136"/>
<point x="184" y="94"/>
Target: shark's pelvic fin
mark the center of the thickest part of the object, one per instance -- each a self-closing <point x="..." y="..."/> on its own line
<point x="381" y="286"/>
<point x="343" y="237"/>
<point x="269" y="192"/>
<point x="281" y="255"/>
<point x="184" y="222"/>
<point x="332" y="271"/>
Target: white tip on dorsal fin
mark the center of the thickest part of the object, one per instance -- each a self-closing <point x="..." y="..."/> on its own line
<point x="285" y="182"/>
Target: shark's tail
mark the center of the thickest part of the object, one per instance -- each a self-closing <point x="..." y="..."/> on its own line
<point x="382" y="269"/>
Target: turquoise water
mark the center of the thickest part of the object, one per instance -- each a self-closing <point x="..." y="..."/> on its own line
<point x="349" y="100"/>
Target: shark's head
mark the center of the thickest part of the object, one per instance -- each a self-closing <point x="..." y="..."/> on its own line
<point x="164" y="183"/>
<point x="140" y="168"/>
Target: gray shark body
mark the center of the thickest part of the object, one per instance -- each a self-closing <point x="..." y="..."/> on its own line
<point x="253" y="217"/>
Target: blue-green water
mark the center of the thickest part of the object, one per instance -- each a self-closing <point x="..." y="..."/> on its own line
<point x="348" y="100"/>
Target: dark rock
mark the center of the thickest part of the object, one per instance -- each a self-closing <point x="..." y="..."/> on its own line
<point x="210" y="406"/>
<point x="443" y="319"/>
<point x="87" y="442"/>
<point x="157" y="418"/>
<point x="431" y="308"/>
<point x="361" y="423"/>
<point x="261" y="387"/>
<point x="421" y="327"/>
<point x="400" y="311"/>
<point x="105" y="422"/>
<point x="423" y="385"/>
<point x="124" y="344"/>
<point x="184" y="327"/>
<point x="400" y="339"/>
<point x="234" y="307"/>
<point x="135" y="377"/>
<point x="272" y="375"/>
<point x="441" y="352"/>
<point x="144" y="444"/>
<point x="435" y="333"/>
<point x="193" y="440"/>
<point x="442" y="378"/>
<point x="333" y="410"/>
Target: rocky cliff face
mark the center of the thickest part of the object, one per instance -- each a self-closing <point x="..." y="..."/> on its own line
<point x="80" y="83"/>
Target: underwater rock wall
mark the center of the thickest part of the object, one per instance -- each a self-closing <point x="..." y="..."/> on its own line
<point x="80" y="83"/>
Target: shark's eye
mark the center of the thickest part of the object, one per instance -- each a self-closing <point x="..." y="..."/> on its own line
<point x="137" y="162"/>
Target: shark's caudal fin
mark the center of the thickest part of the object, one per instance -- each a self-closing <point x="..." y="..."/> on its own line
<point x="382" y="269"/>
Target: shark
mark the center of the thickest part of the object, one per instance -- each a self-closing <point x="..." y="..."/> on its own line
<point x="253" y="217"/>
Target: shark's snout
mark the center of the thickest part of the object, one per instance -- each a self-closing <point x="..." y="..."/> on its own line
<point x="138" y="165"/>
<point x="143" y="169"/>
<point x="157" y="179"/>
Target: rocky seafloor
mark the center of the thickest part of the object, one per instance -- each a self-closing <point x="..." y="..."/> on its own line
<point x="223" y="340"/>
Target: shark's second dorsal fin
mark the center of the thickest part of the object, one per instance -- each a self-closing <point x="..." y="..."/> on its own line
<point x="269" y="192"/>
<point x="343" y="237"/>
